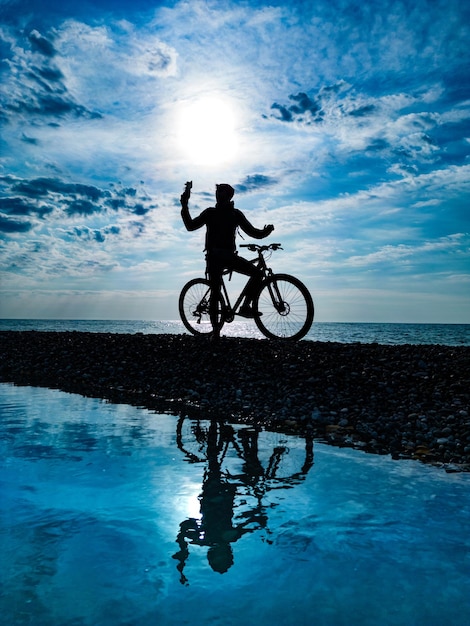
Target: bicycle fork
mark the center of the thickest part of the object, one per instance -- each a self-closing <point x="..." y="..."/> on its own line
<point x="281" y="306"/>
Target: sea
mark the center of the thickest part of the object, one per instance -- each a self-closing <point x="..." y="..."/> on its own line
<point x="341" y="332"/>
<point x="112" y="515"/>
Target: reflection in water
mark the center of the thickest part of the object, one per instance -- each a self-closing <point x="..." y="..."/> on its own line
<point x="98" y="525"/>
<point x="223" y="520"/>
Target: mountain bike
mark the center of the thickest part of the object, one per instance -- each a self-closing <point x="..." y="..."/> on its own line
<point x="283" y="308"/>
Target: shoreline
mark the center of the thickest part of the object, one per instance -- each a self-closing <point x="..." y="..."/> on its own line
<point x="407" y="400"/>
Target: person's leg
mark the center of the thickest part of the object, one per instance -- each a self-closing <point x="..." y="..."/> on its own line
<point x="214" y="271"/>
<point x="243" y="266"/>
<point x="214" y="304"/>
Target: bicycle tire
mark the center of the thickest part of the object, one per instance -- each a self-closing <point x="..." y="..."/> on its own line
<point x="292" y="317"/>
<point x="271" y="459"/>
<point x="193" y="307"/>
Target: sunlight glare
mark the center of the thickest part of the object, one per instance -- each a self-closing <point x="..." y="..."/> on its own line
<point x="207" y="131"/>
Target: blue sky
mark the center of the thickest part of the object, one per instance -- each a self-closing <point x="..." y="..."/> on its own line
<point x="345" y="124"/>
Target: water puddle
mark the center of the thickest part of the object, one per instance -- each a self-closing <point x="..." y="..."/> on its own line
<point x="113" y="515"/>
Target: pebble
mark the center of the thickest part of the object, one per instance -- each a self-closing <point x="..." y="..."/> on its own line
<point x="368" y="396"/>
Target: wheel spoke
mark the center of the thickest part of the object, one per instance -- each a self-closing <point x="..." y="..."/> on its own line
<point x="286" y="307"/>
<point x="194" y="304"/>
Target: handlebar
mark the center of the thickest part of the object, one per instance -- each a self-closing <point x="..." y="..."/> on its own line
<point x="254" y="247"/>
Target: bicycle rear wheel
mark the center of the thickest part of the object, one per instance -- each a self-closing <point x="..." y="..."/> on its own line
<point x="194" y="307"/>
<point x="286" y="306"/>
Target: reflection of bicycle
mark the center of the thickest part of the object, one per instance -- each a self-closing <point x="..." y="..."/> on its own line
<point x="242" y="465"/>
<point x="283" y="307"/>
<point x="266" y="455"/>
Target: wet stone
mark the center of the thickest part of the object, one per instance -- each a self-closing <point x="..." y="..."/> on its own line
<point x="399" y="400"/>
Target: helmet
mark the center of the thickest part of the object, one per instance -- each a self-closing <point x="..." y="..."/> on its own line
<point x="224" y="191"/>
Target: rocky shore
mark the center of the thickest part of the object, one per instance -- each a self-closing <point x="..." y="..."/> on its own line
<point x="411" y="401"/>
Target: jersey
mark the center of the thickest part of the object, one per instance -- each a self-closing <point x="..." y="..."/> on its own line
<point x="221" y="226"/>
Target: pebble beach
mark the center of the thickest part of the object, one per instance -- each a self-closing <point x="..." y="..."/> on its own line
<point x="410" y="401"/>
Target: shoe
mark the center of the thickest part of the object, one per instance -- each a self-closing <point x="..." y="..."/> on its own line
<point x="247" y="311"/>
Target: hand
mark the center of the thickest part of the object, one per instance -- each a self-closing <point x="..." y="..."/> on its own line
<point x="268" y="229"/>
<point x="186" y="193"/>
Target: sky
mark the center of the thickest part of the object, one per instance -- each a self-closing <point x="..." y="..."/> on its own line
<point x="345" y="124"/>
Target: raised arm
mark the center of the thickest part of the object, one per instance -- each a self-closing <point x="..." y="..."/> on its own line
<point x="252" y="231"/>
<point x="189" y="222"/>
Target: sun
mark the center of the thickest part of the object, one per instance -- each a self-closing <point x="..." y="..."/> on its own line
<point x="207" y="130"/>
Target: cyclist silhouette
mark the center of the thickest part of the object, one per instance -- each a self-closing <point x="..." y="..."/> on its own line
<point x="216" y="528"/>
<point x="231" y="502"/>
<point x="222" y="222"/>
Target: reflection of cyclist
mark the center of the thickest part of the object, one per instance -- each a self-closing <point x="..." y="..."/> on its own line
<point x="225" y="518"/>
<point x="221" y="224"/>
<point x="215" y="529"/>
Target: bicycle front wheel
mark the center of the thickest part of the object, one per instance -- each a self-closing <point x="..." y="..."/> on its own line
<point x="286" y="307"/>
<point x="194" y="307"/>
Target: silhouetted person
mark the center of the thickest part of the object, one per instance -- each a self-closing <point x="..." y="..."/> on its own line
<point x="221" y="224"/>
<point x="224" y="518"/>
<point x="216" y="528"/>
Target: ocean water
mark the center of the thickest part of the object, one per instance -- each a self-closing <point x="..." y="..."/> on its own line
<point x="112" y="515"/>
<point x="443" y="334"/>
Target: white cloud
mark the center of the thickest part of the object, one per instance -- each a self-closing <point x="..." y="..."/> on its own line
<point x="106" y="64"/>
<point x="360" y="167"/>
<point x="404" y="252"/>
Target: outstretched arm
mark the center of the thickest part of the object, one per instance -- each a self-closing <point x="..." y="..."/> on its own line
<point x="189" y="222"/>
<point x="251" y="231"/>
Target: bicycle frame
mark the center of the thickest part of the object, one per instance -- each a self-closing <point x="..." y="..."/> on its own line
<point x="260" y="261"/>
<point x="229" y="312"/>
